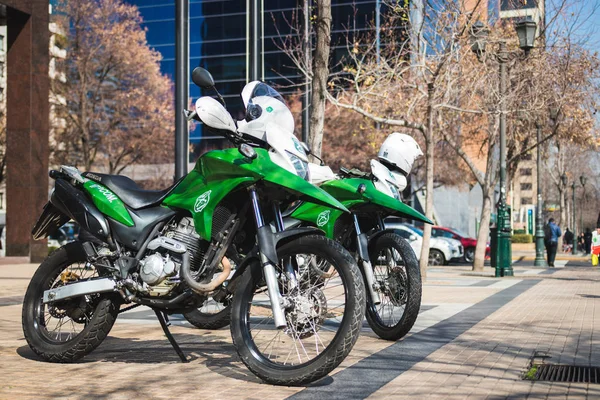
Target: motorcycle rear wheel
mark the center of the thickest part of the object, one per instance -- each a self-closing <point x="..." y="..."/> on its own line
<point x="398" y="281"/>
<point x="68" y="330"/>
<point x="323" y="320"/>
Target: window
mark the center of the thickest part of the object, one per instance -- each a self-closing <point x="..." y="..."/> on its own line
<point x="526" y="200"/>
<point x="526" y="186"/>
<point x="1" y="43"/>
<point x="525" y="171"/>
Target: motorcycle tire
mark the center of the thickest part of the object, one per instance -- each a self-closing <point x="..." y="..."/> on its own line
<point x="312" y="316"/>
<point x="93" y="314"/>
<point x="399" y="285"/>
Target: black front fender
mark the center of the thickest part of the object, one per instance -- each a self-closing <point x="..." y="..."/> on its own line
<point x="374" y="236"/>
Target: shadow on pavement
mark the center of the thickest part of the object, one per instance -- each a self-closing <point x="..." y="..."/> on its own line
<point x="217" y="355"/>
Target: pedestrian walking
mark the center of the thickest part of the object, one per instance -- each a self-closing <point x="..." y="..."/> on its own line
<point x="552" y="234"/>
<point x="587" y="241"/>
<point x="581" y="242"/>
<point x="568" y="241"/>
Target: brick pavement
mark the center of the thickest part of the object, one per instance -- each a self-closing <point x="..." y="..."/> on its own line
<point x="473" y="339"/>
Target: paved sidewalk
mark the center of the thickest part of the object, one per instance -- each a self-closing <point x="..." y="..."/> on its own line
<point x="474" y="338"/>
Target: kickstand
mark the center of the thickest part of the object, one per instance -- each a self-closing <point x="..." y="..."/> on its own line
<point x="164" y="324"/>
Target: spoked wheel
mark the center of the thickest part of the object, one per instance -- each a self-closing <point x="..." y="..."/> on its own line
<point x="323" y="311"/>
<point x="65" y="330"/>
<point x="398" y="282"/>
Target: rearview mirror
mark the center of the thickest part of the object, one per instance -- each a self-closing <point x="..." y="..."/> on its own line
<point x="202" y="78"/>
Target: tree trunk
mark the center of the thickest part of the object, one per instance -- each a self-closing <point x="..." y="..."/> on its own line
<point x="563" y="208"/>
<point x="424" y="261"/>
<point x="429" y="154"/>
<point x="320" y="75"/>
<point x="484" y="230"/>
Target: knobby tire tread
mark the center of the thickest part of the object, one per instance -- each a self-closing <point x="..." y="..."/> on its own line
<point x="102" y="321"/>
<point x="413" y="305"/>
<point x="331" y="360"/>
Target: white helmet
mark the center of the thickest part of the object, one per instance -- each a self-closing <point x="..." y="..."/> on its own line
<point x="399" y="151"/>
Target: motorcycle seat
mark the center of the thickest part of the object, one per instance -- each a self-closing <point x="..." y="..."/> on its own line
<point x="129" y="192"/>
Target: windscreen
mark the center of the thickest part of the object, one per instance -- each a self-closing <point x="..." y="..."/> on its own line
<point x="262" y="89"/>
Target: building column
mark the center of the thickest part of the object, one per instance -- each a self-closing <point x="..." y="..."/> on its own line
<point x="27" y="117"/>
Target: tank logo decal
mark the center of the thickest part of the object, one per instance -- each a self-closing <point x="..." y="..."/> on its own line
<point x="110" y="196"/>
<point x="323" y="218"/>
<point x="202" y="201"/>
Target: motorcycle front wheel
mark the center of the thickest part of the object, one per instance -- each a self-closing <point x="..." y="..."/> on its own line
<point x="324" y="313"/>
<point x="398" y="281"/>
<point x="66" y="330"/>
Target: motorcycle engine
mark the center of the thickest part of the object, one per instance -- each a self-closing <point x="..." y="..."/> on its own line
<point x="160" y="270"/>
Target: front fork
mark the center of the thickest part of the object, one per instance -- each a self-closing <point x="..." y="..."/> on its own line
<point x="362" y="245"/>
<point x="266" y="245"/>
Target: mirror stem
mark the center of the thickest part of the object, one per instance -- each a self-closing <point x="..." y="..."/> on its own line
<point x="220" y="97"/>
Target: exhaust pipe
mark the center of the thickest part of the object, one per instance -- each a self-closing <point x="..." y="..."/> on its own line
<point x="204" y="288"/>
<point x="77" y="289"/>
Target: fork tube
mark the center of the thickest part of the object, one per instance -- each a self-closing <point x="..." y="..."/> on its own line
<point x="268" y="268"/>
<point x="288" y="267"/>
<point x="380" y="221"/>
<point x="363" y="251"/>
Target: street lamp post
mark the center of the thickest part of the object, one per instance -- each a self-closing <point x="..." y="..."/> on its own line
<point x="583" y="181"/>
<point x="526" y="33"/>
<point x="574" y="223"/>
<point x="539" y="261"/>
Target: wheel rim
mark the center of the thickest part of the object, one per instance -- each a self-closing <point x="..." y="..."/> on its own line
<point x="392" y="285"/>
<point x="435" y="258"/>
<point x="314" y="313"/>
<point x="63" y="321"/>
<point x="469" y="255"/>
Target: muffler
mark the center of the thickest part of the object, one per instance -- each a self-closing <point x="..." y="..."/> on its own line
<point x="77" y="289"/>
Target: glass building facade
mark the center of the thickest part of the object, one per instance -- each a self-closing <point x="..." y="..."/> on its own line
<point x="219" y="40"/>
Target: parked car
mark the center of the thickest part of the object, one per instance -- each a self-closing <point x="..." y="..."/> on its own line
<point x="467" y="242"/>
<point x="441" y="250"/>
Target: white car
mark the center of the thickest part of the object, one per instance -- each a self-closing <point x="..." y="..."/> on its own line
<point x="441" y="250"/>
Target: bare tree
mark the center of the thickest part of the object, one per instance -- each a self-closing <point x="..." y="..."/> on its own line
<point x="404" y="83"/>
<point x="320" y="74"/>
<point x="116" y="105"/>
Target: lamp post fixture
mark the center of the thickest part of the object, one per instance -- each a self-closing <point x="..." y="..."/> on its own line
<point x="539" y="261"/>
<point x="526" y="33"/>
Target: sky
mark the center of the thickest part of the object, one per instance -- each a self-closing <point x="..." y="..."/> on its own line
<point x="580" y="18"/>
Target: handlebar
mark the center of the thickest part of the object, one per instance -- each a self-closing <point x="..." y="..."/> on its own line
<point x="354" y="172"/>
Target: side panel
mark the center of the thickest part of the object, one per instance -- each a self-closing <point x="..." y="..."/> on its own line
<point x="318" y="215"/>
<point x="225" y="163"/>
<point x="200" y="197"/>
<point x="346" y="190"/>
<point x="108" y="203"/>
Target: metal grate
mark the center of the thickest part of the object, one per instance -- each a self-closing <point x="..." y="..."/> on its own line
<point x="566" y="373"/>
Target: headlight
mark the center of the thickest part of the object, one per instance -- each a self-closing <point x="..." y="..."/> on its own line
<point x="300" y="166"/>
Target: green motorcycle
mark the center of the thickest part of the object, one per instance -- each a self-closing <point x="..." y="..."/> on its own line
<point x="166" y="250"/>
<point x="388" y="264"/>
